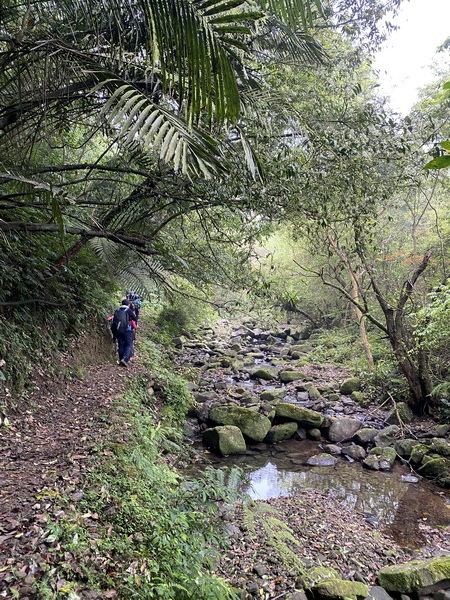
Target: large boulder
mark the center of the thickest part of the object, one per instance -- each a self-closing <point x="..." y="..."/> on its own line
<point x="350" y="385"/>
<point x="339" y="589"/>
<point x="252" y="424"/>
<point x="380" y="459"/>
<point x="224" y="440"/>
<point x="400" y="414"/>
<point x="277" y="433"/>
<point x="288" y="376"/>
<point x="302" y="416"/>
<point x="415" y="575"/>
<point x="342" y="430"/>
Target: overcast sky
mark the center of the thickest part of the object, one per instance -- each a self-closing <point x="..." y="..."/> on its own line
<point x="405" y="61"/>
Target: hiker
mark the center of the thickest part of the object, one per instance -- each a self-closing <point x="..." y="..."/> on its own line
<point x="122" y="331"/>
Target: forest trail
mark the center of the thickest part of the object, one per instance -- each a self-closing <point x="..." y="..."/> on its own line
<point x="45" y="451"/>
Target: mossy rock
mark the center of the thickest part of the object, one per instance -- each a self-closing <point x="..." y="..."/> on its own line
<point x="415" y="575"/>
<point x="252" y="424"/>
<point x="313" y="392"/>
<point x="340" y="589"/>
<point x="342" y="430"/>
<point x="350" y="385"/>
<point x="271" y="395"/>
<point x="386" y="437"/>
<point x="435" y="467"/>
<point x="302" y="416"/>
<point x="224" y="440"/>
<point x="277" y="433"/>
<point x="266" y="373"/>
<point x="318" y="574"/>
<point x="400" y="414"/>
<point x="404" y="447"/>
<point x="359" y="398"/>
<point x="365" y="435"/>
<point x="418" y="452"/>
<point x="441" y="446"/>
<point x="380" y="459"/>
<point x="288" y="376"/>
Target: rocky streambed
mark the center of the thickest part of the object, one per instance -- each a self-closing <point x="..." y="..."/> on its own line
<point x="260" y="403"/>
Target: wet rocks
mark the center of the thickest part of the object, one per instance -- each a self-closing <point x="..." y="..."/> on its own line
<point x="321" y="460"/>
<point x="380" y="459"/>
<point x="277" y="433"/>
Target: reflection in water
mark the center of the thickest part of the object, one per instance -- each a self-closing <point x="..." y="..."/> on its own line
<point x="372" y="493"/>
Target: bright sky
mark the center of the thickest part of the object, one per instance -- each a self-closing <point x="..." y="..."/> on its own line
<point x="406" y="59"/>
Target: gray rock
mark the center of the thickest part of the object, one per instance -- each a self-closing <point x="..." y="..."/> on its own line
<point x="260" y="570"/>
<point x="440" y="430"/>
<point x="442" y="595"/>
<point x="266" y="373"/>
<point x="355" y="452"/>
<point x="404" y="447"/>
<point x="252" y="424"/>
<point x="332" y="449"/>
<point x="342" y="430"/>
<point x="366" y="435"/>
<point x="378" y="593"/>
<point x="274" y="394"/>
<point x="298" y="595"/>
<point x="386" y="437"/>
<point x="440" y="446"/>
<point x="288" y="376"/>
<point x="321" y="460"/>
<point x="400" y="414"/>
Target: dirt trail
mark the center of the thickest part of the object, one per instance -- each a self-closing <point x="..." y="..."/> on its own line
<point x="45" y="450"/>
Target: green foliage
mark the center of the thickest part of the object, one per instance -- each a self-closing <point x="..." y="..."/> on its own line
<point x="157" y="533"/>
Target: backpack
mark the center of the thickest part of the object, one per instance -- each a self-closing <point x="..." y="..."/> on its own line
<point x="121" y="320"/>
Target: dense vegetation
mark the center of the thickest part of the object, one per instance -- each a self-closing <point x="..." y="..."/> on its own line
<point x="167" y="146"/>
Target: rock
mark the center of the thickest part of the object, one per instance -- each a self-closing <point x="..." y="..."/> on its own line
<point x="179" y="341"/>
<point x="260" y="570"/>
<point x="271" y="395"/>
<point x="313" y="392"/>
<point x="414" y="575"/>
<point x="224" y="440"/>
<point x="266" y="373"/>
<point x="252" y="424"/>
<point x="343" y="429"/>
<point x="321" y="460"/>
<point x="298" y="595"/>
<point x="339" y="589"/>
<point x="314" y="434"/>
<point x="318" y="574"/>
<point x="418" y="452"/>
<point x="206" y="396"/>
<point x="442" y="595"/>
<point x="380" y="459"/>
<point x="333" y="449"/>
<point x="303" y="416"/>
<point x="288" y="376"/>
<point x="441" y="430"/>
<point x="358" y="397"/>
<point x="355" y="452"/>
<point x="365" y="435"/>
<point x="410" y="478"/>
<point x="301" y="434"/>
<point x="400" y="414"/>
<point x="350" y="385"/>
<point x="440" y="446"/>
<point x="386" y="437"/>
<point x="280" y="432"/>
<point x="435" y="467"/>
<point x="378" y="593"/>
<point x="404" y="447"/>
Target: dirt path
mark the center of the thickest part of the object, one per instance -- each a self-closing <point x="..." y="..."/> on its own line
<point x="44" y="453"/>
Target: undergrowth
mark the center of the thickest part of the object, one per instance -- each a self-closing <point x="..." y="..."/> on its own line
<point x="142" y="530"/>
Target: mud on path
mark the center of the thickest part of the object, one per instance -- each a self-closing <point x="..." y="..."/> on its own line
<point x="46" y="449"/>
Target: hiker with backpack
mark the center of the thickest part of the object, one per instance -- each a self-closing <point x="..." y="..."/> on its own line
<point x="121" y="328"/>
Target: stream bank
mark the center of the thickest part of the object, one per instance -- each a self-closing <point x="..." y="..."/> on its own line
<point x="339" y="513"/>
